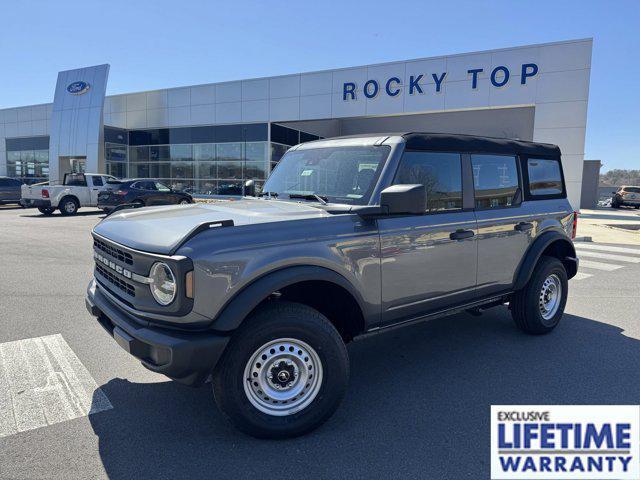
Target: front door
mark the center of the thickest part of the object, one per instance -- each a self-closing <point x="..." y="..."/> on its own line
<point x="429" y="261"/>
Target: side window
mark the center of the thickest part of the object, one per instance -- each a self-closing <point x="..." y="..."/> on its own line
<point x="441" y="175"/>
<point x="161" y="187"/>
<point x="495" y="178"/>
<point x="97" y="181"/>
<point x="544" y="176"/>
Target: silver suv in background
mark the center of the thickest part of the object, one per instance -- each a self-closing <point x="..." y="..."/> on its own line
<point x="350" y="237"/>
<point x="626" y="196"/>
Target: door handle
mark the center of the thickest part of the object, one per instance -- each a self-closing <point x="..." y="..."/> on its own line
<point x="461" y="234"/>
<point x="524" y="226"/>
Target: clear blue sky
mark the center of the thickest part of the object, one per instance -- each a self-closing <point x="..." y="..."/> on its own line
<point x="158" y="44"/>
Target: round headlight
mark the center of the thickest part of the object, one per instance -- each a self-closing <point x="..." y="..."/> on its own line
<point x="163" y="283"/>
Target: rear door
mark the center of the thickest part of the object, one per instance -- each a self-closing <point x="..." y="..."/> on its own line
<point x="505" y="227"/>
<point x="164" y="194"/>
<point x="97" y="185"/>
<point x="429" y="261"/>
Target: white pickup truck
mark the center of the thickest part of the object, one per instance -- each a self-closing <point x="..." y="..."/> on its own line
<point x="77" y="190"/>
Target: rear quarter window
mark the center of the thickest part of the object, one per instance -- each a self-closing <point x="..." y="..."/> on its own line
<point x="544" y="177"/>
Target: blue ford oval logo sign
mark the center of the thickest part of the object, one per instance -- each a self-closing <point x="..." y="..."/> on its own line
<point x="77" y="88"/>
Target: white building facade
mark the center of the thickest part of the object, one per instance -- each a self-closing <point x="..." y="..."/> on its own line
<point x="210" y="138"/>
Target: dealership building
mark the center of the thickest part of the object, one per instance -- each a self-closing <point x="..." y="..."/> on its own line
<point x="210" y="138"/>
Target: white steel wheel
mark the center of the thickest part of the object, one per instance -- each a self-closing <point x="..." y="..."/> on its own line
<point x="283" y="377"/>
<point x="550" y="296"/>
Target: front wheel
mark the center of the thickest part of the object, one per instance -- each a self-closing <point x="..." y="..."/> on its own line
<point x="284" y="372"/>
<point x="539" y="306"/>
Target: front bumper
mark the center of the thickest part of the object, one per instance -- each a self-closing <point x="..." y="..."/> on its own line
<point x="37" y="203"/>
<point x="182" y="356"/>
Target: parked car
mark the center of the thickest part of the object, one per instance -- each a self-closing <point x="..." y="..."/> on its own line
<point x="9" y="190"/>
<point x="349" y="238"/>
<point x="140" y="192"/>
<point x="626" y="196"/>
<point x="77" y="190"/>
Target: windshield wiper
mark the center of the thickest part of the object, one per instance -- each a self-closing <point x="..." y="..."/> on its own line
<point x="309" y="196"/>
<point x="268" y="194"/>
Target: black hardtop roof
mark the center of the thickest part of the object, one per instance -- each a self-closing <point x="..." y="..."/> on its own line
<point x="457" y="142"/>
<point x="477" y="144"/>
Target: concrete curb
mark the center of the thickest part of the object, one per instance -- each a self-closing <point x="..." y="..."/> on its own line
<point x="583" y="239"/>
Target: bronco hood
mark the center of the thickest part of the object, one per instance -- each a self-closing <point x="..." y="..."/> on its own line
<point x="162" y="229"/>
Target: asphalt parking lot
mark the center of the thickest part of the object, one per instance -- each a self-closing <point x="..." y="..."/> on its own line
<point x="417" y="406"/>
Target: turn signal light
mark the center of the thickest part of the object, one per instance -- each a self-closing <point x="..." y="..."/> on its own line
<point x="188" y="282"/>
<point x="45" y="193"/>
<point x="575" y="225"/>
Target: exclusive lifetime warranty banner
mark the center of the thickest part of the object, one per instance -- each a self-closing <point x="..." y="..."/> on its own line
<point x="565" y="442"/>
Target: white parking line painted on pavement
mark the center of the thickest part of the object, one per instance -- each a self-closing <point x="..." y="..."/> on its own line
<point x="43" y="382"/>
<point x="599" y="265"/>
<point x="581" y="276"/>
<point x="590" y="246"/>
<point x="608" y="256"/>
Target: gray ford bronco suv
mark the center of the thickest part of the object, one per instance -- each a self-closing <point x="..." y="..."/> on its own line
<point x="350" y="237"/>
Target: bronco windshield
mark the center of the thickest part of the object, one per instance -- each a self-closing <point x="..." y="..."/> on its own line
<point x="337" y="174"/>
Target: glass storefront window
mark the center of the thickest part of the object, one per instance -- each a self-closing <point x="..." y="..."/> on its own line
<point x="160" y="170"/>
<point x="117" y="169"/>
<point x="138" y="154"/>
<point x="115" y="153"/>
<point x="256" y="169"/>
<point x="158" y="153"/>
<point x="229" y="151"/>
<point x="181" y="153"/>
<point x="42" y="156"/>
<point x="256" y="151"/>
<point x="207" y="186"/>
<point x="180" y="170"/>
<point x="228" y="170"/>
<point x="207" y="170"/>
<point x="204" y="153"/>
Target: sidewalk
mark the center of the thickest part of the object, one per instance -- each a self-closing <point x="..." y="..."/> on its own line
<point x="599" y="224"/>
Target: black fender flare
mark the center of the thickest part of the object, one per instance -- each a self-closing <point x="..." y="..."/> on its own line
<point x="240" y="306"/>
<point x="535" y="251"/>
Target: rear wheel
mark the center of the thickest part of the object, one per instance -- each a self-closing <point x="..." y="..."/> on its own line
<point x="284" y="372"/>
<point x="68" y="206"/>
<point x="184" y="201"/>
<point x="539" y="306"/>
<point x="46" y="210"/>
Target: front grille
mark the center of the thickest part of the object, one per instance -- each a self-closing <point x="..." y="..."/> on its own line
<point x="117" y="282"/>
<point x="114" y="252"/>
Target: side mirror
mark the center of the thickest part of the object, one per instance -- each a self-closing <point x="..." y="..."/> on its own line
<point x="249" y="188"/>
<point x="404" y="200"/>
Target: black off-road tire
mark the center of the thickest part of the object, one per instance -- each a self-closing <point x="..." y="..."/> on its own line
<point x="68" y="206"/>
<point x="274" y="321"/>
<point x="525" y="304"/>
